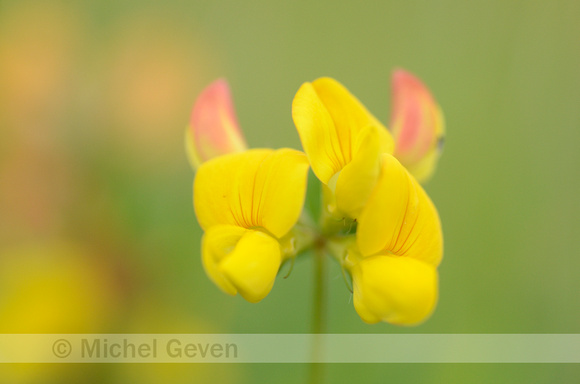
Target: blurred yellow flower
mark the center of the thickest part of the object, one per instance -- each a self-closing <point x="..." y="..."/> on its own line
<point x="57" y="287"/>
<point x="53" y="287"/>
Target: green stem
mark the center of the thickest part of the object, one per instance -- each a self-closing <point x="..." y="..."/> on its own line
<point x="318" y="313"/>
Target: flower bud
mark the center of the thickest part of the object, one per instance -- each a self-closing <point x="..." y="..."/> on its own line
<point x="213" y="129"/>
<point x="417" y="125"/>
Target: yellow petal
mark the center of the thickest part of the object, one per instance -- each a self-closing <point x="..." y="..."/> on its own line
<point x="216" y="244"/>
<point x="329" y="120"/>
<point x="400" y="218"/>
<point x="384" y="214"/>
<point x="422" y="240"/>
<point x="280" y="191"/>
<point x="358" y="178"/>
<point x="215" y="188"/>
<point x="417" y="125"/>
<point x="398" y="290"/>
<point x="350" y="116"/>
<point x="257" y="188"/>
<point x="213" y="130"/>
<point x="317" y="133"/>
<point x="253" y="265"/>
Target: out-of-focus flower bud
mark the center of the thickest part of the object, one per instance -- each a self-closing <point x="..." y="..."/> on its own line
<point x="213" y="128"/>
<point x="417" y="125"/>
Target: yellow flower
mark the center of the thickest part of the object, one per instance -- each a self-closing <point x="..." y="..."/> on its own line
<point x="247" y="204"/>
<point x="398" y="235"/>
<point x="399" y="245"/>
<point x="213" y="129"/>
<point x="377" y="219"/>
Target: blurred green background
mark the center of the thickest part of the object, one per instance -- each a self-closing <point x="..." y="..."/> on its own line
<point x="97" y="230"/>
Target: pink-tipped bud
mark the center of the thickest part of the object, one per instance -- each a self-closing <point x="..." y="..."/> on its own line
<point x="417" y="125"/>
<point x="213" y="128"/>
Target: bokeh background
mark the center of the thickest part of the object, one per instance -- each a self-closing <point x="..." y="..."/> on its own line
<point x="97" y="230"/>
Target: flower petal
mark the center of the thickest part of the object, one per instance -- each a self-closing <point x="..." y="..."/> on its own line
<point x="241" y="260"/>
<point x="358" y="178"/>
<point x="216" y="244"/>
<point x="317" y="133"/>
<point x="329" y="120"/>
<point x="400" y="218"/>
<point x="216" y="198"/>
<point x="384" y="214"/>
<point x="213" y="129"/>
<point x="253" y="265"/>
<point x="398" y="290"/>
<point x="280" y="191"/>
<point x="257" y="188"/>
<point x="417" y="125"/>
<point x="350" y="116"/>
<point x="424" y="239"/>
